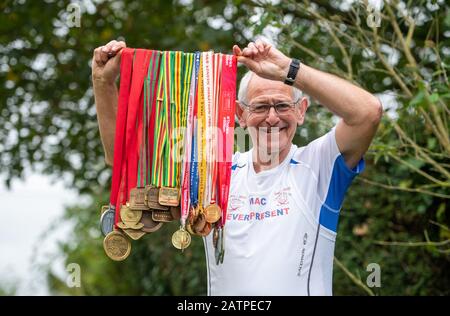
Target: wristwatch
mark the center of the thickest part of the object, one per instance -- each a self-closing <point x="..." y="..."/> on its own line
<point x="292" y="73"/>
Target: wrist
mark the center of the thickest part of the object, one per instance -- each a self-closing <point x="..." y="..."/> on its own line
<point x="284" y="68"/>
<point x="291" y="75"/>
<point x="102" y="82"/>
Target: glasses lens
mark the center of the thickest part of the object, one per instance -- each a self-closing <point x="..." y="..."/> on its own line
<point x="283" y="107"/>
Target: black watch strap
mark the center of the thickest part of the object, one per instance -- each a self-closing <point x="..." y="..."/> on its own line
<point x="292" y="73"/>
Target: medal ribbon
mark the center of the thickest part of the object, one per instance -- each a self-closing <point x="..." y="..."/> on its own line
<point x="201" y="135"/>
<point x="226" y="124"/>
<point x="188" y="135"/>
<point x="194" y="176"/>
<point x="126" y="67"/>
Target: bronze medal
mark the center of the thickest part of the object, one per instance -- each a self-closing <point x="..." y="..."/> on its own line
<point x="169" y="196"/>
<point x="181" y="239"/>
<point x="137" y="199"/>
<point x="162" y="216"/>
<point x="176" y="212"/>
<point x="189" y="229"/>
<point x="212" y="213"/>
<point x="116" y="246"/>
<point x="150" y="225"/>
<point x="151" y="198"/>
<point x="206" y="229"/>
<point x="199" y="223"/>
<point x="134" y="234"/>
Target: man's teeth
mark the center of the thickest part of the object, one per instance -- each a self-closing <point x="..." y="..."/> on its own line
<point x="273" y="130"/>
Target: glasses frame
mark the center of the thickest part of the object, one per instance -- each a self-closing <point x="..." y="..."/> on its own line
<point x="248" y="107"/>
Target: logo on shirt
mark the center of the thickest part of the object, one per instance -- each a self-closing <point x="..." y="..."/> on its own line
<point x="236" y="202"/>
<point x="282" y="197"/>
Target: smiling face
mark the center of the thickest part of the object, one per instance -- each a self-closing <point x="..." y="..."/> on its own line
<point x="271" y="132"/>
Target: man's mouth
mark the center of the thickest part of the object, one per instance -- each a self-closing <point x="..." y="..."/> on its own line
<point x="271" y="130"/>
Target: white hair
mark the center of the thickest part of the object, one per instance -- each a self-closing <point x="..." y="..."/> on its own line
<point x="243" y="87"/>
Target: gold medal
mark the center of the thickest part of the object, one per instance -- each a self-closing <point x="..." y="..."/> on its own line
<point x="130" y="226"/>
<point x="128" y="216"/>
<point x="162" y="216"/>
<point x="212" y="213"/>
<point x="137" y="199"/>
<point x="169" y="196"/>
<point x="181" y="239"/>
<point x="117" y="246"/>
<point x="150" y="225"/>
<point x="151" y="198"/>
<point x="134" y="234"/>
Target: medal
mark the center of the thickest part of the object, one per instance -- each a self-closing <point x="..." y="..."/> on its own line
<point x="206" y="230"/>
<point x="212" y="213"/>
<point x="117" y="246"/>
<point x="107" y="220"/>
<point x="169" y="196"/>
<point x="181" y="239"/>
<point x="215" y="237"/>
<point x="150" y="225"/>
<point x="162" y="216"/>
<point x="134" y="234"/>
<point x="175" y="212"/>
<point x="151" y="198"/>
<point x="128" y="216"/>
<point x="137" y="199"/>
<point x="218" y="249"/>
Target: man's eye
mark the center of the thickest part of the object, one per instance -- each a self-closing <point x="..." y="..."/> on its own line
<point x="260" y="107"/>
<point x="283" y="106"/>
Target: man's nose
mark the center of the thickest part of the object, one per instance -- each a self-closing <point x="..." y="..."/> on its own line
<point x="272" y="117"/>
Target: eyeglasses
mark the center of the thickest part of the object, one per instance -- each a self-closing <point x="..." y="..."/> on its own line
<point x="264" y="108"/>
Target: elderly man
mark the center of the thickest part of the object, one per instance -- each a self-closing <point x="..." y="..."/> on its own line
<point x="284" y="200"/>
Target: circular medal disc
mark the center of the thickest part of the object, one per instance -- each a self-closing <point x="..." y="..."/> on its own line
<point x="212" y="213"/>
<point x="150" y="225"/>
<point x="107" y="222"/>
<point x="128" y="216"/>
<point x="206" y="230"/>
<point x="181" y="239"/>
<point x="117" y="246"/>
<point x="199" y="223"/>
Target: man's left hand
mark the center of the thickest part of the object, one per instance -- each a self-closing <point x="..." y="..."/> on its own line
<point x="264" y="60"/>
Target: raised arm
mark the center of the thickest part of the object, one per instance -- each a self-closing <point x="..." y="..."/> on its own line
<point x="105" y="69"/>
<point x="360" y="110"/>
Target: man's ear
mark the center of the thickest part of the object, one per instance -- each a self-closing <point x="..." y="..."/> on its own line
<point x="240" y="115"/>
<point x="302" y="107"/>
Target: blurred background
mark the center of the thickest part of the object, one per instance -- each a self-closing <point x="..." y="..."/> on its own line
<point x="54" y="178"/>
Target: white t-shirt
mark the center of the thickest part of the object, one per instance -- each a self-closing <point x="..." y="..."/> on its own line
<point x="281" y="223"/>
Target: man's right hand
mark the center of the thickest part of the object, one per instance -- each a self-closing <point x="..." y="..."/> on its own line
<point x="106" y="62"/>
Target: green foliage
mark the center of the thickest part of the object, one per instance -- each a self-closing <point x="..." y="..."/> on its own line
<point x="395" y="214"/>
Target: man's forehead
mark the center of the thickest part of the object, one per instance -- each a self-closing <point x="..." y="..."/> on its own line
<point x="259" y="88"/>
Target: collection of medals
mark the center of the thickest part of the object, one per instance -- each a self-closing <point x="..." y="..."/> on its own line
<point x="172" y="148"/>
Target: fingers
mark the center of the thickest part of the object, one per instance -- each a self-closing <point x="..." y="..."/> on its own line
<point x="103" y="53"/>
<point x="249" y="63"/>
<point x="256" y="49"/>
<point x="237" y="50"/>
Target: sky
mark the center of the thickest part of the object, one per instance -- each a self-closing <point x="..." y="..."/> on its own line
<point x="27" y="211"/>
